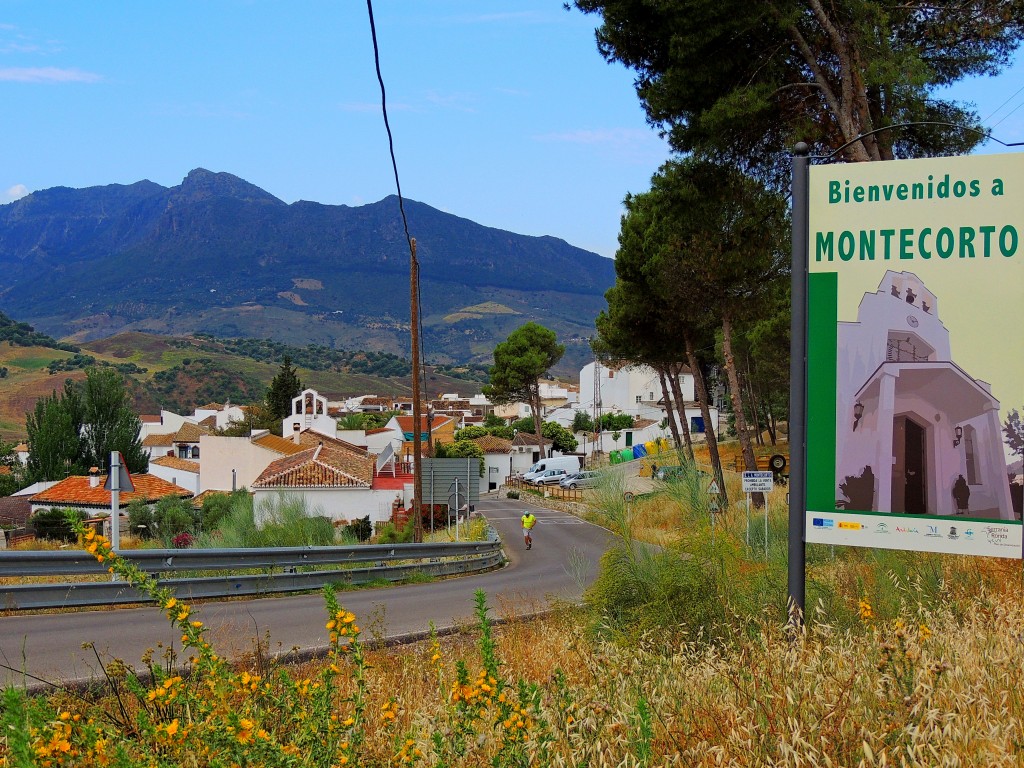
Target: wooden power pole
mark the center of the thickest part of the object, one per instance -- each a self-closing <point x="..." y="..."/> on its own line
<point x="417" y="416"/>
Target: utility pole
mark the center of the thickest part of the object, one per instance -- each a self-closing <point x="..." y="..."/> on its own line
<point x="417" y="416"/>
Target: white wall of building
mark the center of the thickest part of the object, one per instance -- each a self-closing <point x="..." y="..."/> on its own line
<point x="309" y="411"/>
<point x="338" y="504"/>
<point x="182" y="478"/>
<point x="221" y="455"/>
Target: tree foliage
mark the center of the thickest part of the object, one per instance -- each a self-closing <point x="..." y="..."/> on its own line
<point x="745" y="79"/>
<point x="562" y="439"/>
<point x="283" y="388"/>
<point x="109" y="422"/>
<point x="1013" y="431"/>
<point x="520" y="362"/>
<point x="78" y="428"/>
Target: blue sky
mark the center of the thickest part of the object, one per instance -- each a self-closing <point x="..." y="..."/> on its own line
<point x="502" y="112"/>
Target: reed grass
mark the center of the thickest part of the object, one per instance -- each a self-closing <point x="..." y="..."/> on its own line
<point x="900" y="663"/>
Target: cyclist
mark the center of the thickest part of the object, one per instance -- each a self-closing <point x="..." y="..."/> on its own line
<point x="529" y="520"/>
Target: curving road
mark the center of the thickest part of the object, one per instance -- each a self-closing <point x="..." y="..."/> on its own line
<point x="563" y="559"/>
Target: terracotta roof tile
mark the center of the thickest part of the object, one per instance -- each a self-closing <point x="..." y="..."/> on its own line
<point x="158" y="441"/>
<point x="406" y="422"/>
<point x="210" y="407"/>
<point x="190" y="433"/>
<point x="174" y="462"/>
<point x="77" y="491"/>
<point x="529" y="438"/>
<point x="148" y="418"/>
<point x="210" y="422"/>
<point x="14" y="510"/>
<point x="494" y="444"/>
<point x="333" y="464"/>
<point x="279" y="444"/>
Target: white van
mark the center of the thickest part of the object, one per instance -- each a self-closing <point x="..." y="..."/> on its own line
<point x="571" y="465"/>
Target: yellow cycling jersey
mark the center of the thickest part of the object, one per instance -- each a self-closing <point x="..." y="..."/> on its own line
<point x="529" y="521"/>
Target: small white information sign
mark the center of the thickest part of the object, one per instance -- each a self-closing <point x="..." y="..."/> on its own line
<point x="758" y="482"/>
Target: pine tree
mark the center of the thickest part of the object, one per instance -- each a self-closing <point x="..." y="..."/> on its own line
<point x="283" y="388"/>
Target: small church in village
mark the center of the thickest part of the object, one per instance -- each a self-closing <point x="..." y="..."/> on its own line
<point x="915" y="432"/>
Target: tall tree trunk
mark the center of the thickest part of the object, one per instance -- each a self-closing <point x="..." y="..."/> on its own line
<point x="737" y="402"/>
<point x="535" y="407"/>
<point x="680" y="407"/>
<point x="705" y="409"/>
<point x="672" y="425"/>
<point x="753" y="403"/>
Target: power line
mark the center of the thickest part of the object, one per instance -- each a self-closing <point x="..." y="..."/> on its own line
<point x="994" y="111"/>
<point x="387" y="125"/>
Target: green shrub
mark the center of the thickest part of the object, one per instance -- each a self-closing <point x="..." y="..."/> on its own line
<point x="53" y="525"/>
<point x="360" y="529"/>
<point x="283" y="521"/>
<point x="172" y="516"/>
<point x="216" y="507"/>
<point x="140" y="519"/>
<point x="640" y="589"/>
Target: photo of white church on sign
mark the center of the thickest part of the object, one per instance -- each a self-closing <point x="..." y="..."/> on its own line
<point x="915" y="433"/>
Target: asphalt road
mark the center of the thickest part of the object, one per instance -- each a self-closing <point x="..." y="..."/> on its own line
<point x="563" y="559"/>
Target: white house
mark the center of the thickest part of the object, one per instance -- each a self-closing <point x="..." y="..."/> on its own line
<point x="223" y="415"/>
<point x="183" y="473"/>
<point x="910" y="422"/>
<point x="230" y="463"/>
<point x="336" y="479"/>
<point x="500" y="460"/>
<point x="636" y="390"/>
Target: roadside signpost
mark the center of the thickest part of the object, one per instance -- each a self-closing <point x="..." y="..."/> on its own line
<point x="118" y="480"/>
<point x="896" y="441"/>
<point x="713" y="492"/>
<point x="758" y="482"/>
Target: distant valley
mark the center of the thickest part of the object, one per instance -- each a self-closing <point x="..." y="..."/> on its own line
<point x="180" y="374"/>
<point x="220" y="256"/>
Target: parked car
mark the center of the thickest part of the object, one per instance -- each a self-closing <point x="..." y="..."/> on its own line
<point x="549" y="477"/>
<point x="586" y="479"/>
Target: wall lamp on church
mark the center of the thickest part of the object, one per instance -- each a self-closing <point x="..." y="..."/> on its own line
<point x="959" y="435"/>
<point x="858" y="412"/>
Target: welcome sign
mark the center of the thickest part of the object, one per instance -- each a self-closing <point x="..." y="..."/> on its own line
<point x="915" y="354"/>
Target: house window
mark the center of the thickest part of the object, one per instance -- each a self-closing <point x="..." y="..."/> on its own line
<point x="195" y="452"/>
<point x="182" y="451"/>
<point x="697" y="424"/>
<point x="611" y="374"/>
<point x="971" y="455"/>
<point x="629" y="439"/>
<point x="638" y="398"/>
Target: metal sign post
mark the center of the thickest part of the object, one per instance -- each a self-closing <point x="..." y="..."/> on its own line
<point x="118" y="480"/>
<point x="798" y="383"/>
<point x="758" y="482"/>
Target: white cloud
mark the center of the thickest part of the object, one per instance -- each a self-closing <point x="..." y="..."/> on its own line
<point x="13" y="193"/>
<point x="47" y="75"/>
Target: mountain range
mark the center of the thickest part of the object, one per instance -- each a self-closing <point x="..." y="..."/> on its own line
<point x="220" y="256"/>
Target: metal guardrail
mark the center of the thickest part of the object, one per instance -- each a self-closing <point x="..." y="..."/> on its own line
<point x="434" y="559"/>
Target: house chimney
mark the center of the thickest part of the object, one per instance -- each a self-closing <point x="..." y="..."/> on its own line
<point x="94" y="477"/>
<point x="296" y="433"/>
